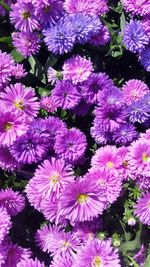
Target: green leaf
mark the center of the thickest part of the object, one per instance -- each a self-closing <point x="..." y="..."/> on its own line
<point x="4" y="5"/>
<point x="51" y="61"/>
<point x="147" y="262"/>
<point x="43" y="91"/>
<point x="37" y="69"/>
<point x="122" y="22"/>
<point x="17" y="56"/>
<point x="6" y="39"/>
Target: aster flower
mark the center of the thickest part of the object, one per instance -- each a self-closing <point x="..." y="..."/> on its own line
<point x="139" y="7"/>
<point x="7" y="161"/>
<point x="93" y="85"/>
<point x="65" y="95"/>
<point x="6" y="67"/>
<point x="81" y="201"/>
<point x="99" y="134"/>
<point x="125" y="169"/>
<point x="107" y="181"/>
<point x="138" y="111"/>
<point x="146" y="24"/>
<point x="30" y="263"/>
<point x="106" y="157"/>
<point x="28" y="149"/>
<point x="20" y="98"/>
<point x="23" y="16"/>
<point x="59" y="38"/>
<point x="47" y="130"/>
<point x="100" y="38"/>
<point x="97" y="252"/>
<point x="26" y="43"/>
<point x="82" y="108"/>
<point x="12" y="201"/>
<point x="139" y="157"/>
<point x="142" y="209"/>
<point x="18" y="71"/>
<point x="98" y="7"/>
<point x="145" y="59"/>
<point x="53" y="75"/>
<point x="140" y="256"/>
<point x="59" y="243"/>
<point x="47" y="104"/>
<point x="55" y="175"/>
<point x="48" y="11"/>
<point x="111" y="96"/>
<point x="12" y="125"/>
<point x="70" y="145"/>
<point x="135" y="38"/>
<point x="77" y="69"/>
<point x="5" y="223"/>
<point x="134" y="90"/>
<point x="84" y="26"/>
<point x="14" y="254"/>
<point x="125" y="134"/>
<point x="109" y="117"/>
<point x="143" y="182"/>
<point x="62" y="262"/>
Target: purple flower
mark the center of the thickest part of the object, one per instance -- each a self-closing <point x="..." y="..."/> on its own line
<point x="146" y="24"/>
<point x="98" y="7"/>
<point x="18" y="71"/>
<point x="106" y="157"/>
<point x="26" y="43"/>
<point x="23" y="16"/>
<point x="12" y="125"/>
<point x="82" y="108"/>
<point x="59" y="38"/>
<point x="71" y="145"/>
<point x="138" y="111"/>
<point x="125" y="134"/>
<point x="107" y="181"/>
<point x="47" y="104"/>
<point x="101" y="38"/>
<point x="30" y="263"/>
<point x="142" y="209"/>
<point x="28" y="149"/>
<point x="21" y="98"/>
<point x="134" y="90"/>
<point x="143" y="182"/>
<point x="55" y="176"/>
<point x="65" y="95"/>
<point x="6" y="67"/>
<point x="96" y="253"/>
<point x="62" y="262"/>
<point x="77" y="69"/>
<point x="139" y="157"/>
<point x="140" y="256"/>
<point x="138" y="7"/>
<point x="12" y="201"/>
<point x="81" y="201"/>
<point x="48" y="11"/>
<point x="93" y="85"/>
<point x="84" y="26"/>
<point x="99" y="134"/>
<point x="145" y="59"/>
<point x="7" y="161"/>
<point x="5" y="223"/>
<point x="60" y="244"/>
<point x="111" y="96"/>
<point x="53" y="75"/>
<point x="135" y="38"/>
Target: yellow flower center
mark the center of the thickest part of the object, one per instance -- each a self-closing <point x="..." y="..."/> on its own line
<point x="66" y="244"/>
<point x="125" y="163"/>
<point x="19" y="105"/>
<point x="102" y="182"/>
<point x="26" y="15"/>
<point x="97" y="262"/>
<point x="8" y="126"/>
<point x="110" y="164"/>
<point x="54" y="177"/>
<point x="82" y="198"/>
<point x="47" y="9"/>
<point x="145" y="157"/>
<point x="79" y="71"/>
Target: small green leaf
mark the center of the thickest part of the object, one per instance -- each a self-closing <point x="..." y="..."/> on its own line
<point x="4" y="5"/>
<point x="6" y="39"/>
<point x="51" y="61"/>
<point x="17" y="56"/>
<point x="37" y="69"/>
<point x="147" y="262"/>
<point x="43" y="91"/>
<point x="122" y="22"/>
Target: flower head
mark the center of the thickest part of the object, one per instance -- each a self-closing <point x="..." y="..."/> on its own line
<point x="6" y="68"/>
<point x="142" y="209"/>
<point x="12" y="201"/>
<point x="5" y="223"/>
<point x="145" y="59"/>
<point x="138" y="111"/>
<point x="125" y="134"/>
<point x="81" y="201"/>
<point x="7" y="161"/>
<point x="26" y="43"/>
<point x="77" y="69"/>
<point x="65" y="95"/>
<point x="96" y="253"/>
<point x="47" y="104"/>
<point x="138" y="7"/>
<point x="71" y="145"/>
<point x="30" y="263"/>
<point x="62" y="262"/>
<point x="100" y="38"/>
<point x="134" y="90"/>
<point x="135" y="38"/>
<point x="20" y="98"/>
<point x="97" y="7"/>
